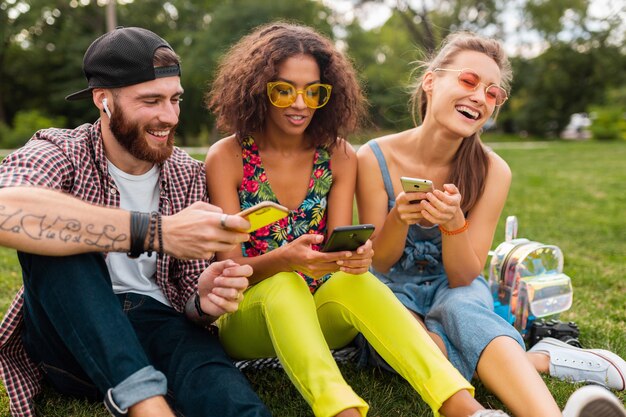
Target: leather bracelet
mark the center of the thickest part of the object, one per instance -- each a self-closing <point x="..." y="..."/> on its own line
<point x="160" y="233"/>
<point x="138" y="229"/>
<point x="196" y="303"/>
<point x="152" y="232"/>
<point x="454" y="232"/>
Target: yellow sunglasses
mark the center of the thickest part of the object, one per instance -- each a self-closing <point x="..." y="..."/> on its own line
<point x="283" y="94"/>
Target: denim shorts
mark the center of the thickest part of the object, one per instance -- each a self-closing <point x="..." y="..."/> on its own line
<point x="463" y="317"/>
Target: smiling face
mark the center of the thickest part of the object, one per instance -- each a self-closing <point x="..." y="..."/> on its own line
<point x="144" y="118"/>
<point x="300" y="71"/>
<point x="456" y="108"/>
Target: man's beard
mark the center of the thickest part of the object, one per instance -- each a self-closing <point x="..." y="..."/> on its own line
<point x="130" y="136"/>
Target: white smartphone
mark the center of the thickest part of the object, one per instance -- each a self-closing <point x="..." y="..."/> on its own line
<point x="262" y="214"/>
<point x="416" y="185"/>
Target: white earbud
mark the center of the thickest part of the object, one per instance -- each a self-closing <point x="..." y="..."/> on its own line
<point x="106" y="108"/>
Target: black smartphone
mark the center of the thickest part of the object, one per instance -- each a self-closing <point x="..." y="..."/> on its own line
<point x="348" y="237"/>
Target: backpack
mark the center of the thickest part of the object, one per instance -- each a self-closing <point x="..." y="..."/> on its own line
<point x="527" y="280"/>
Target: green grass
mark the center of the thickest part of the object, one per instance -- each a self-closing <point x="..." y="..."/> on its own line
<point x="568" y="194"/>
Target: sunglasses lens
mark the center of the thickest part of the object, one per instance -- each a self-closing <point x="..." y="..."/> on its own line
<point x="469" y="80"/>
<point x="316" y="95"/>
<point x="282" y="94"/>
<point x="495" y="94"/>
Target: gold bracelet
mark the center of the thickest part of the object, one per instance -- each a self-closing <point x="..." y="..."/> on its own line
<point x="454" y="232"/>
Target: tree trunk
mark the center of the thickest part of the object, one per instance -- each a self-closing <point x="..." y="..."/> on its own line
<point x="3" y="115"/>
<point x="422" y="32"/>
<point x="111" y="16"/>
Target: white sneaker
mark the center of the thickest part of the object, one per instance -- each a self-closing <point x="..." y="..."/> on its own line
<point x="595" y="366"/>
<point x="593" y="401"/>
<point x="489" y="413"/>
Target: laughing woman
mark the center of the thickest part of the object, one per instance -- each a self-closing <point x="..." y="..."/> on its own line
<point x="287" y="95"/>
<point x="430" y="248"/>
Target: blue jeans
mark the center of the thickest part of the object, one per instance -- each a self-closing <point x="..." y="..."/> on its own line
<point x="90" y="342"/>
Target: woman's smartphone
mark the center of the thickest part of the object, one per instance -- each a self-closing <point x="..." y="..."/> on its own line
<point x="416" y="185"/>
<point x="348" y="237"/>
<point x="262" y="214"/>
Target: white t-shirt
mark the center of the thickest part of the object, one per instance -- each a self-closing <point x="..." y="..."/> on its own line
<point x="137" y="193"/>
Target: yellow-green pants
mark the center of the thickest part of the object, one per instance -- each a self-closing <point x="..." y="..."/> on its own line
<point x="280" y="317"/>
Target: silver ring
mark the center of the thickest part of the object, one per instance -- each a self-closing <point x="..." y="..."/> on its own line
<point x="223" y="220"/>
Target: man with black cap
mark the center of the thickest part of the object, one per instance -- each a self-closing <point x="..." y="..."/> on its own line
<point x="134" y="324"/>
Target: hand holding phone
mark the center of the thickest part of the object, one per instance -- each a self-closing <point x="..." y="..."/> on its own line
<point x="348" y="237"/>
<point x="416" y="185"/>
<point x="262" y="214"/>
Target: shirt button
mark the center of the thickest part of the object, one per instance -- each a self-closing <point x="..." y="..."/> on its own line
<point x="113" y="191"/>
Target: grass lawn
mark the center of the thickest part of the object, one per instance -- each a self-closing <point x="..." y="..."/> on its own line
<point x="568" y="194"/>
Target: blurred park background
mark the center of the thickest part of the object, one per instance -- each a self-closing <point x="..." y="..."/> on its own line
<point x="568" y="57"/>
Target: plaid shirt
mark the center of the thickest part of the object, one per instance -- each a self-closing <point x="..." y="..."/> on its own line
<point x="73" y="161"/>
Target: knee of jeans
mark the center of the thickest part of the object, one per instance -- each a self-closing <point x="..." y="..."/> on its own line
<point x="457" y="309"/>
<point x="477" y="293"/>
<point x="79" y="267"/>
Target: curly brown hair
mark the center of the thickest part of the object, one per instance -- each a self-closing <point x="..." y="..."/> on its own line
<point x="238" y="96"/>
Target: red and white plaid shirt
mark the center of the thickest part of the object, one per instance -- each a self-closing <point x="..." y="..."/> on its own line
<point x="74" y="162"/>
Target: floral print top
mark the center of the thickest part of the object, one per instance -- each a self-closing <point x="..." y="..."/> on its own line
<point x="309" y="217"/>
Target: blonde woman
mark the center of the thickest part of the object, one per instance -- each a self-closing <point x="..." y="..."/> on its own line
<point x="430" y="247"/>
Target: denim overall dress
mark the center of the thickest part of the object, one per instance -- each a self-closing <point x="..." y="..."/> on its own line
<point x="463" y="317"/>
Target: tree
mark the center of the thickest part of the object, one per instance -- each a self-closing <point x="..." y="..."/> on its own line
<point x="43" y="46"/>
<point x="383" y="59"/>
<point x="562" y="81"/>
<point x="427" y="23"/>
<point x="41" y="54"/>
<point x="582" y="60"/>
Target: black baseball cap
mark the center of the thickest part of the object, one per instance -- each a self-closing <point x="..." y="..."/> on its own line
<point x="123" y="57"/>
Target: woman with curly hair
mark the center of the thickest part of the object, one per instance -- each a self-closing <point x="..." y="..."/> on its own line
<point x="289" y="96"/>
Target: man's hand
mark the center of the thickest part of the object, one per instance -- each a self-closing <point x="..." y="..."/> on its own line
<point x="221" y="287"/>
<point x="200" y="230"/>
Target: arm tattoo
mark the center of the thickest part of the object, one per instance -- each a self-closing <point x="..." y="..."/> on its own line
<point x="41" y="227"/>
